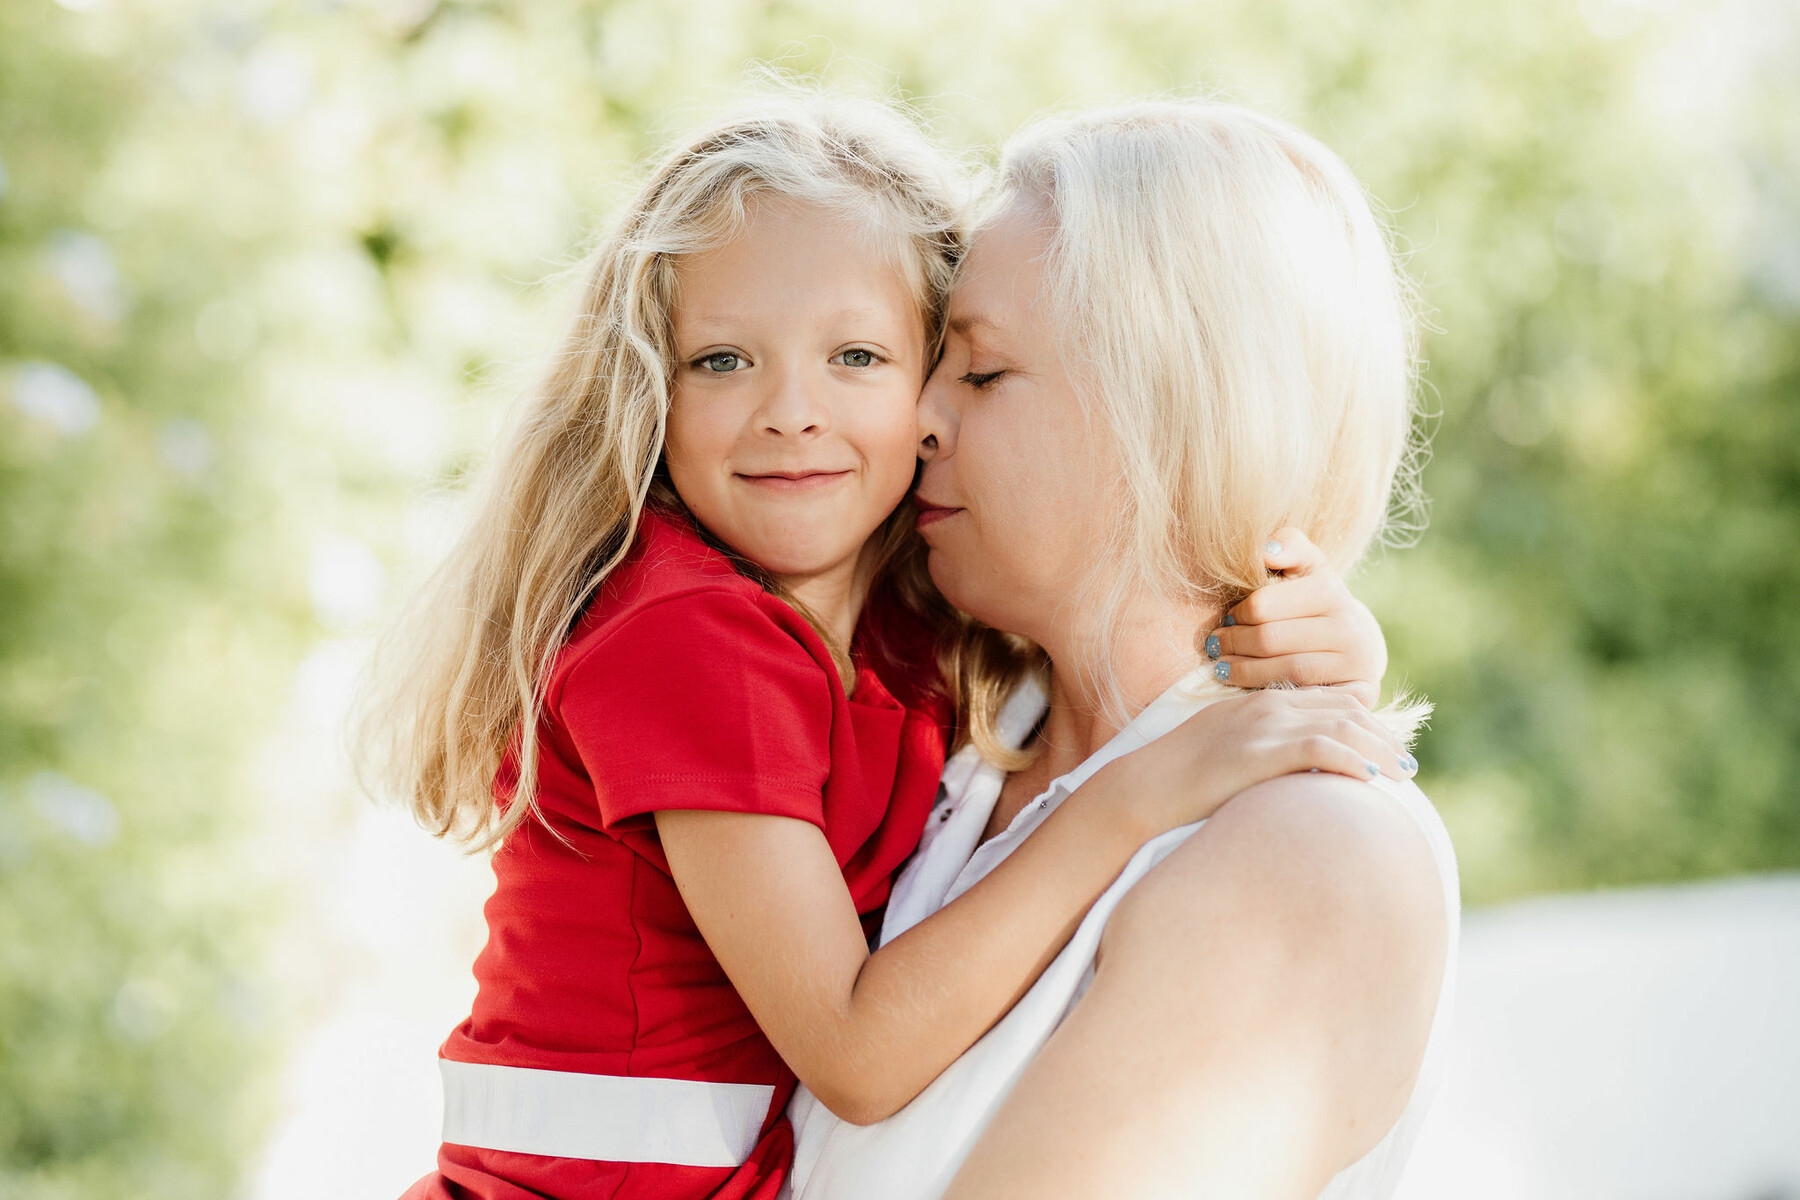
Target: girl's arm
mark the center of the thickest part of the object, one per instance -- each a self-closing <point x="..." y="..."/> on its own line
<point x="867" y="1031"/>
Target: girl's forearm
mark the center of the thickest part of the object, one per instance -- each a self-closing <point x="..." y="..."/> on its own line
<point x="920" y="1001"/>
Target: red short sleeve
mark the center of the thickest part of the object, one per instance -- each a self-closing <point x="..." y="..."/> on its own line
<point x="705" y="701"/>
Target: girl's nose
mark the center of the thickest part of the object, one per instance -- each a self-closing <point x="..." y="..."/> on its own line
<point x="793" y="407"/>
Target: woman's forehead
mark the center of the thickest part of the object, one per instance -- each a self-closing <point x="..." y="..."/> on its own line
<point x="1000" y="282"/>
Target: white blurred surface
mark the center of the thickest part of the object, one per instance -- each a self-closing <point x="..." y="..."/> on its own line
<point x="403" y="916"/>
<point x="1641" y="1044"/>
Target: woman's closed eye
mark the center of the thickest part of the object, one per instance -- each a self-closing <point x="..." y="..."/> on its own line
<point x="980" y="379"/>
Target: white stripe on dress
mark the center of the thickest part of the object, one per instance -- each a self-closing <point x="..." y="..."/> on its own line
<point x="613" y="1118"/>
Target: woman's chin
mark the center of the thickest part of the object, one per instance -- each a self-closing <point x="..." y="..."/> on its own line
<point x="991" y="596"/>
<point x="948" y="580"/>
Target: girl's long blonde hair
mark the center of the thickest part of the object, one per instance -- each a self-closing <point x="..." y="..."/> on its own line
<point x="1242" y="333"/>
<point x="460" y="678"/>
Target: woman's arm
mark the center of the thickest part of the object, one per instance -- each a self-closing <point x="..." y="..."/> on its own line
<point x="867" y="1031"/>
<point x="1259" y="1012"/>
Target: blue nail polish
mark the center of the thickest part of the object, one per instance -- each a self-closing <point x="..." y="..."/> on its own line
<point x="1222" y="671"/>
<point x="1372" y="769"/>
<point x="1408" y="763"/>
<point x="1212" y="647"/>
<point x="1229" y="620"/>
<point x="1272" y="547"/>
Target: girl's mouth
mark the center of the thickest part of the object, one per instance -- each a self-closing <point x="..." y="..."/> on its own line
<point x="796" y="481"/>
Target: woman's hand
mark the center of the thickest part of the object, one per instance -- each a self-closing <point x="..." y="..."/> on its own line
<point x="1303" y="627"/>
<point x="1231" y="745"/>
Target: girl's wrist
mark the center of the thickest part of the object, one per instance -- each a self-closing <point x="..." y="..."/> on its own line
<point x="1129" y="807"/>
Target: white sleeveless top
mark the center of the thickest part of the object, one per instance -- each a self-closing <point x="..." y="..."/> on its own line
<point x="914" y="1154"/>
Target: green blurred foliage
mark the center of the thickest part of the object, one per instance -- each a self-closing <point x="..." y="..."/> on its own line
<point x="139" y="623"/>
<point x="267" y="272"/>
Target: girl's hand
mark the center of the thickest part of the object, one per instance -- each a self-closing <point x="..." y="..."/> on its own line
<point x="1303" y="627"/>
<point x="1231" y="745"/>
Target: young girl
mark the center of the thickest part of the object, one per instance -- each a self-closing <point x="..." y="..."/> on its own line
<point x="683" y="673"/>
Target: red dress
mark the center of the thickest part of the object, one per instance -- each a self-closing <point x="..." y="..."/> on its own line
<point x="684" y="685"/>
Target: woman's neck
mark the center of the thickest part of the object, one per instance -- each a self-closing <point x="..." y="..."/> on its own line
<point x="1150" y="647"/>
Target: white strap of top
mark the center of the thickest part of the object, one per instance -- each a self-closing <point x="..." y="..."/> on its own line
<point x="614" y="1118"/>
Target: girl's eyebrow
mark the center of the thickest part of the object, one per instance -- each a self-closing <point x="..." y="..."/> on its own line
<point x="859" y="314"/>
<point x="707" y="321"/>
<point x="710" y="320"/>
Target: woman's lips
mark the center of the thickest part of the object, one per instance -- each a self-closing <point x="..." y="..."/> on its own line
<point x="796" y="481"/>
<point x="930" y="514"/>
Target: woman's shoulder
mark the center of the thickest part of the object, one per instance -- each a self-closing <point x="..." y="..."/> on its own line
<point x="1360" y="847"/>
<point x="1313" y="859"/>
<point x="1308" y="916"/>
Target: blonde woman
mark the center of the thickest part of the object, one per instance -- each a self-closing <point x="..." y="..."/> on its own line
<point x="1178" y="326"/>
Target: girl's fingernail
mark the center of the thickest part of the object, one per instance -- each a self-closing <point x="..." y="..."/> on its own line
<point x="1229" y="620"/>
<point x="1222" y="670"/>
<point x="1272" y="547"/>
<point x="1372" y="769"/>
<point x="1212" y="647"/>
<point x="1408" y="763"/>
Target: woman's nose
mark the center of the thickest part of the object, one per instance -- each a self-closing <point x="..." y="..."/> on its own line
<point x="938" y="420"/>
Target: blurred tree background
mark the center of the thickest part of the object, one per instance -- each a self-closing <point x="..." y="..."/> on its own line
<point x="268" y="271"/>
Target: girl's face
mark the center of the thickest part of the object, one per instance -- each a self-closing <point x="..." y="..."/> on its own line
<point x="1018" y="494"/>
<point x="792" y="427"/>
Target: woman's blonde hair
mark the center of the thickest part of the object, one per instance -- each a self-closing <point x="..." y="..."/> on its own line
<point x="462" y="674"/>
<point x="1240" y="329"/>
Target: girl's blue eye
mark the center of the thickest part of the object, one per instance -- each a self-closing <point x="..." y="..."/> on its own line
<point x="722" y="363"/>
<point x="858" y="358"/>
